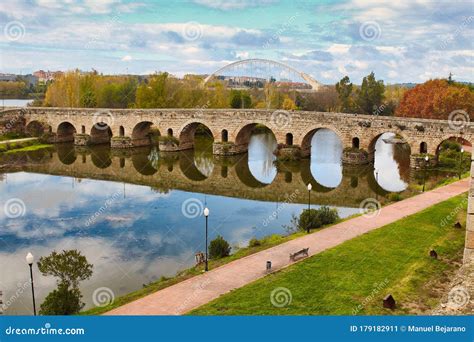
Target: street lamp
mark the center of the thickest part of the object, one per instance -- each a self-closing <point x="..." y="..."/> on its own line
<point x="460" y="162"/>
<point x="29" y="259"/>
<point x="424" y="173"/>
<point x="309" y="205"/>
<point x="206" y="214"/>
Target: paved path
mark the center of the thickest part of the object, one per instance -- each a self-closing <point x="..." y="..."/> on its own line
<point x="17" y="140"/>
<point x="194" y="292"/>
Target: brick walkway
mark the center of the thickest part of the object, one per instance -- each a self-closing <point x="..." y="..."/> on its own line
<point x="192" y="293"/>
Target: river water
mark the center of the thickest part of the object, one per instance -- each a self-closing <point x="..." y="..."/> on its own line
<point x="137" y="215"/>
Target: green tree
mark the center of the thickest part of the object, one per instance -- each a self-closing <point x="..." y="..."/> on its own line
<point x="219" y="248"/>
<point x="370" y="95"/>
<point x="153" y="94"/>
<point x="344" y="91"/>
<point x="62" y="301"/>
<point x="69" y="266"/>
<point x="240" y="99"/>
<point x="87" y="95"/>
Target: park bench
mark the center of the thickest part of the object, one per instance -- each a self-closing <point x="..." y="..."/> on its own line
<point x="303" y="252"/>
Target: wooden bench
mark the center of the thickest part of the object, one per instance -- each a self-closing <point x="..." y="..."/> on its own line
<point x="303" y="253"/>
<point x="200" y="258"/>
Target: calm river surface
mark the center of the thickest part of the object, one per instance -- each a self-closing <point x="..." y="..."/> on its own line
<point x="136" y="215"/>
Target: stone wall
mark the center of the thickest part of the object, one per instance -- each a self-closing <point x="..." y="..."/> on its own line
<point x="301" y="125"/>
<point x="469" y="247"/>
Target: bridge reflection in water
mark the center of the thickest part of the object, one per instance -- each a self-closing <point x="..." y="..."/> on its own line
<point x="253" y="176"/>
<point x="143" y="229"/>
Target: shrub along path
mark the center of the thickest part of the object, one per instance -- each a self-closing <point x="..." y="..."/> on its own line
<point x="197" y="291"/>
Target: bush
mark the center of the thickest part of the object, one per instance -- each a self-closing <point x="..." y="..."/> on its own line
<point x="219" y="248"/>
<point x="394" y="197"/>
<point x="309" y="219"/>
<point x="327" y="215"/>
<point x="312" y="219"/>
<point x="254" y="242"/>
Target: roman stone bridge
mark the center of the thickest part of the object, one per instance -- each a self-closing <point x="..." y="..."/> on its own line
<point x="231" y="129"/>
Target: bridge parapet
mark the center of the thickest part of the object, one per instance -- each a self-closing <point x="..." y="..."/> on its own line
<point x="232" y="127"/>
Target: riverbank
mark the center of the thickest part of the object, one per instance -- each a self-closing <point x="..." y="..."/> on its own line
<point x="222" y="280"/>
<point x="265" y="243"/>
<point x="22" y="145"/>
<point x="354" y="277"/>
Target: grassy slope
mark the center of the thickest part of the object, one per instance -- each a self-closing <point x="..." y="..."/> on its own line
<point x="393" y="259"/>
<point x="39" y="146"/>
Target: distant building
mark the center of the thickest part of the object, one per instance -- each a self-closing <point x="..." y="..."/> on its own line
<point x="45" y="76"/>
<point x="30" y="80"/>
<point x="7" y="77"/>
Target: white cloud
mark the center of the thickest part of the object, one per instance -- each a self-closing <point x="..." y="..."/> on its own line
<point x="226" y="5"/>
<point x="126" y="58"/>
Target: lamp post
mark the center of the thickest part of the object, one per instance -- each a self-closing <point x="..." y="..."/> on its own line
<point x="309" y="206"/>
<point x="377" y="181"/>
<point x="427" y="159"/>
<point x="206" y="214"/>
<point x="460" y="162"/>
<point x="29" y="259"/>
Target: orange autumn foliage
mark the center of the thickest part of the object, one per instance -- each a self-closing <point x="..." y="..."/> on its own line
<point x="435" y="99"/>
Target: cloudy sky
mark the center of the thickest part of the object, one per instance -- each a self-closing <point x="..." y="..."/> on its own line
<point x="401" y="41"/>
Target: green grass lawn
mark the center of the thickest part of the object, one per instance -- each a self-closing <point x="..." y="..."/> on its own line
<point x="353" y="277"/>
<point x="35" y="147"/>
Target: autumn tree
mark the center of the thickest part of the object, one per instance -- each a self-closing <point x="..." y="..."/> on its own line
<point x="436" y="99"/>
<point x="288" y="104"/>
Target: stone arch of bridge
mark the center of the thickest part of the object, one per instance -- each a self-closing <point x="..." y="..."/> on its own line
<point x="142" y="133"/>
<point x="65" y="132"/>
<point x="308" y="137"/>
<point x="36" y="128"/>
<point x="188" y="131"/>
<point x="372" y="140"/>
<point x="436" y="146"/>
<point x="101" y="133"/>
<point x="245" y="131"/>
